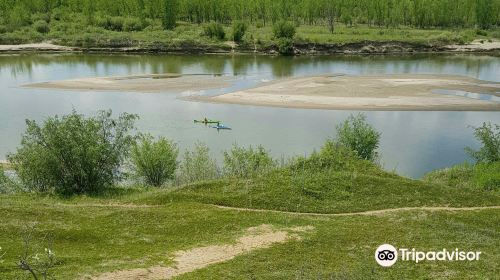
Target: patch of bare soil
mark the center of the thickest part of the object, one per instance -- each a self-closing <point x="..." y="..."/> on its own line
<point x="259" y="237"/>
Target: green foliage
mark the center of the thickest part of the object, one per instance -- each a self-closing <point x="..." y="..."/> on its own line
<point x="248" y="162"/>
<point x="73" y="154"/>
<point x="41" y="26"/>
<point x="482" y="175"/>
<point x="154" y="161"/>
<point x="356" y="134"/>
<point x="170" y="15"/>
<point x="239" y="29"/>
<point x="333" y="156"/>
<point x="284" y="30"/>
<point x="489" y="136"/>
<point x="285" y="46"/>
<point x="197" y="165"/>
<point x="214" y="30"/>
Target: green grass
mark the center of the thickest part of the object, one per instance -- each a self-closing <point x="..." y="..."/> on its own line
<point x="89" y="240"/>
<point x="90" y="237"/>
<point x="190" y="36"/>
<point x="325" y="192"/>
<point x="480" y="176"/>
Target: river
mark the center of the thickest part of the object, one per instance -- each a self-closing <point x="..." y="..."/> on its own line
<point x="412" y="143"/>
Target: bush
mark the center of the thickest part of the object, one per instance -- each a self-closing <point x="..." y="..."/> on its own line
<point x="41" y="26"/>
<point x="197" y="165"/>
<point x="356" y="134"/>
<point x="333" y="156"/>
<point x="3" y="29"/>
<point x="284" y="29"/>
<point x="239" y="29"/>
<point x="111" y="23"/>
<point x="489" y="135"/>
<point x="132" y="24"/>
<point x="73" y="154"/>
<point x="285" y="46"/>
<point x="154" y="161"/>
<point x="243" y="162"/>
<point x="214" y="30"/>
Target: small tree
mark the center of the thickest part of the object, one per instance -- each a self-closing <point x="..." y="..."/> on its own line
<point x="214" y="30"/>
<point x="247" y="162"/>
<point x="154" y="161"/>
<point x="284" y="29"/>
<point x="489" y="135"/>
<point x="73" y="154"/>
<point x="239" y="29"/>
<point x="198" y="165"/>
<point x="32" y="260"/>
<point x="356" y="134"/>
<point x="170" y="15"/>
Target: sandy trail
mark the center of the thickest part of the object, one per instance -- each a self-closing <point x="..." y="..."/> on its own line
<point x="259" y="237"/>
<point x="363" y="213"/>
<point x="49" y="47"/>
<point x="141" y="83"/>
<point x="372" y="92"/>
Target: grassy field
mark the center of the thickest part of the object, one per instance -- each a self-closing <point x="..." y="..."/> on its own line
<point x="137" y="227"/>
<point x="190" y="36"/>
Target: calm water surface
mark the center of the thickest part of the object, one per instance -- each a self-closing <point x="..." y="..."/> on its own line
<point x="413" y="143"/>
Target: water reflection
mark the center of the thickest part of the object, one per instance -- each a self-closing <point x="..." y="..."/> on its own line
<point x="413" y="143"/>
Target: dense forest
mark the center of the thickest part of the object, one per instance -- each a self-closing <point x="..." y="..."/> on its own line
<point x="383" y="13"/>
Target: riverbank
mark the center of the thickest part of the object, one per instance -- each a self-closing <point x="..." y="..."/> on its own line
<point x="377" y="92"/>
<point x="364" y="47"/>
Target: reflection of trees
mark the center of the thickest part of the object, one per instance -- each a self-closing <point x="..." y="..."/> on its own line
<point x="278" y="66"/>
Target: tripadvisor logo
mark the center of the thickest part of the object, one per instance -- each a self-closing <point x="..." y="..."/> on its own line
<point x="386" y="255"/>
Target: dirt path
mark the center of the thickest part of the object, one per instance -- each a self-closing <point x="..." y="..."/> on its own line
<point x="259" y="237"/>
<point x="372" y="212"/>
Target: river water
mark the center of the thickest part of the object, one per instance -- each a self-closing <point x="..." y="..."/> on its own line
<point x="412" y="144"/>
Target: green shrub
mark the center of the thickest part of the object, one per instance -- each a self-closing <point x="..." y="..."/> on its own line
<point x="284" y="29"/>
<point x="73" y="154"/>
<point x="214" y="30"/>
<point x="481" y="32"/>
<point x="154" y="161"/>
<point x="239" y="29"/>
<point x="285" y="46"/>
<point x="243" y="162"/>
<point x="132" y="24"/>
<point x="489" y="136"/>
<point x="111" y="23"/>
<point x="487" y="176"/>
<point x="3" y="29"/>
<point x="41" y="26"/>
<point x="356" y="134"/>
<point x="334" y="156"/>
<point x="197" y="165"/>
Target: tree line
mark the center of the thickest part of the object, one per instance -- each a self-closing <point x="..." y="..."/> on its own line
<point x="387" y="13"/>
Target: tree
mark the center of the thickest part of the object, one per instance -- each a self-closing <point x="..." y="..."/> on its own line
<point x="356" y="134"/>
<point x="154" y="161"/>
<point x="73" y="154"/>
<point x="170" y="16"/>
<point x="489" y="135"/>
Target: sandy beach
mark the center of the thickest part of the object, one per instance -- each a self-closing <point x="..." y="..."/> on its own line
<point x="141" y="83"/>
<point x="379" y="92"/>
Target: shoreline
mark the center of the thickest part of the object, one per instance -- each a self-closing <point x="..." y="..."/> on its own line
<point x="356" y="48"/>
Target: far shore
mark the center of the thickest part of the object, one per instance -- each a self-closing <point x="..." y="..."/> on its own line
<point x="376" y="92"/>
<point x="365" y="47"/>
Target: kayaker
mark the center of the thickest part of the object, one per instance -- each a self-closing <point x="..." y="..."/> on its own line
<point x="206" y="121"/>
